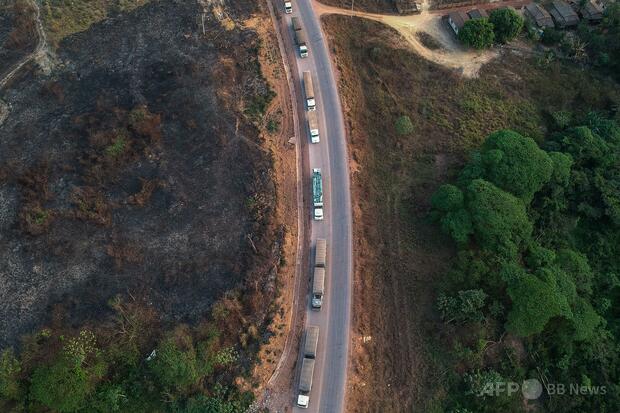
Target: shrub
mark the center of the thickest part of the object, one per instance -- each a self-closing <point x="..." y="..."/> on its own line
<point x="551" y="36"/>
<point x="63" y="386"/>
<point x="173" y="367"/>
<point x="507" y="24"/>
<point x="465" y="307"/>
<point x="477" y="33"/>
<point x="403" y="125"/>
<point x="9" y="370"/>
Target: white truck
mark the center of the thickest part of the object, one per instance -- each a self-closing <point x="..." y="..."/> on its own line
<point x="305" y="382"/>
<point x="313" y="127"/>
<point x="318" y="287"/>
<point x="300" y="37"/>
<point x="309" y="91"/>
<point x="317" y="194"/>
<point x="288" y="7"/>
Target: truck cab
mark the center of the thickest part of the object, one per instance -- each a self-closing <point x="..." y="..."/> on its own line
<point x="303" y="401"/>
<point x="318" y="287"/>
<point x="288" y="7"/>
<point x="317" y="301"/>
<point x="318" y="213"/>
<point x="305" y="383"/>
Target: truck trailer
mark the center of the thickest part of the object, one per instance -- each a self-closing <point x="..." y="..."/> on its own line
<point x="305" y="383"/>
<point x="309" y="90"/>
<point x="318" y="288"/>
<point x="296" y="23"/>
<point x="317" y="194"/>
<point x="320" y="253"/>
<point x="313" y="127"/>
<point x="300" y="36"/>
<point x="311" y="342"/>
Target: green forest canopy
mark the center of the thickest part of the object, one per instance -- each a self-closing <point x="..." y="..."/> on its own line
<point x="539" y="231"/>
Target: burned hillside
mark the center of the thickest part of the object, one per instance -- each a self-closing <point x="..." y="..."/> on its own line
<point x="134" y="168"/>
<point x="17" y="32"/>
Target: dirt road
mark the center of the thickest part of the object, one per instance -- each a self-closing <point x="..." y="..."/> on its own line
<point x="38" y="52"/>
<point x="451" y="54"/>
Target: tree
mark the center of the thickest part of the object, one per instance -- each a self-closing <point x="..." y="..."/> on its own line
<point x="515" y="164"/>
<point x="173" y="367"/>
<point x="107" y="399"/>
<point x="499" y="220"/>
<point x="477" y="33"/>
<point x="539" y="256"/>
<point x="66" y="383"/>
<point x="63" y="386"/>
<point x="507" y="24"/>
<point x="221" y="400"/>
<point x="448" y="205"/>
<point x="534" y="303"/>
<point x="403" y="125"/>
<point x="447" y="198"/>
<point x="562" y="164"/>
<point x="458" y="225"/>
<point x="585" y="320"/>
<point x="576" y="265"/>
<point x="10" y="368"/>
<point x="603" y="41"/>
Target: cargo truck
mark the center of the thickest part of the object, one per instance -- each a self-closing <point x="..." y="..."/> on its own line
<point x="313" y="127"/>
<point x="318" y="288"/>
<point x="302" y="42"/>
<point x="305" y="382"/>
<point x="300" y="37"/>
<point x="320" y="253"/>
<point x="309" y="90"/>
<point x="311" y="342"/>
<point x="317" y="194"/>
<point x="288" y="7"/>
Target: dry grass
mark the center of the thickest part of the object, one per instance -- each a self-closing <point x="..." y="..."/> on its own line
<point x="66" y="17"/>
<point x="400" y="256"/>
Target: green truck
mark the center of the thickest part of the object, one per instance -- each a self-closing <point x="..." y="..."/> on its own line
<point x="317" y="194"/>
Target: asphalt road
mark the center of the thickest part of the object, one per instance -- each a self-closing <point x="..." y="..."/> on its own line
<point x="334" y="319"/>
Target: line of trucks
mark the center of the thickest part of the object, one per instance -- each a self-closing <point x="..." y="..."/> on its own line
<point x="302" y="43"/>
<point x="312" y="333"/>
<point x="313" y="121"/>
<point x="313" y="127"/>
<point x="311" y="339"/>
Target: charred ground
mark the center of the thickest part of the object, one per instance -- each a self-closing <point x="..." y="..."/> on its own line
<point x="134" y="168"/>
<point x="17" y="32"/>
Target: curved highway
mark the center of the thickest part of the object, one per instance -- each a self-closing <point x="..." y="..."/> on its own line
<point x="330" y="155"/>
